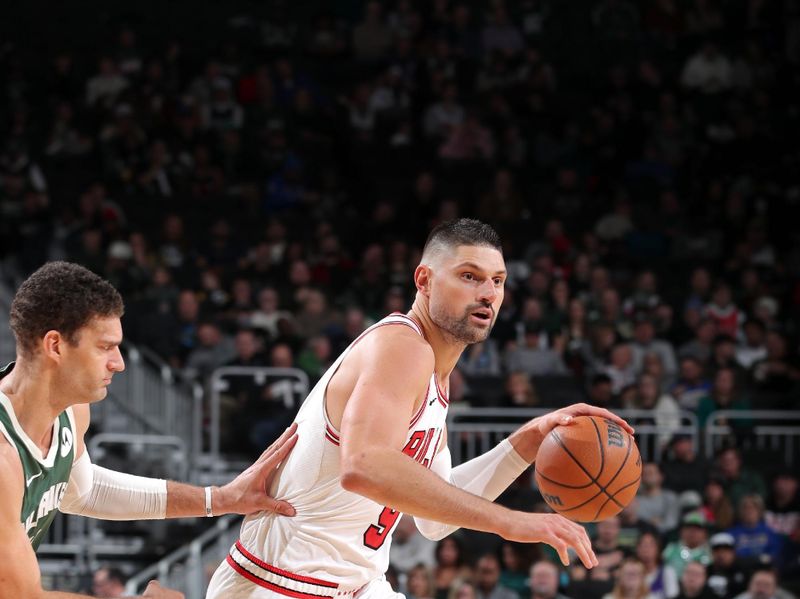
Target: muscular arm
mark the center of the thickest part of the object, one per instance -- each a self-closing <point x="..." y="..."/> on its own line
<point x="393" y="370"/>
<point x="19" y="570"/>
<point x="101" y="493"/>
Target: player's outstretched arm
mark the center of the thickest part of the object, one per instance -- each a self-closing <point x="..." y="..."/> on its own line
<point x="393" y="370"/>
<point x="19" y="570"/>
<point x="105" y="494"/>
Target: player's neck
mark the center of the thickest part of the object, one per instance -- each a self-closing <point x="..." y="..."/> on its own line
<point x="31" y="390"/>
<point x="446" y="351"/>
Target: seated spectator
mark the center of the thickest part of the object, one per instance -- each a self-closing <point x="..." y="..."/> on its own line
<point x="620" y="368"/>
<point x="600" y="393"/>
<point x="727" y="316"/>
<point x="661" y="580"/>
<point x="520" y="392"/>
<point x="657" y="505"/>
<point x="717" y="508"/>
<point x="487" y="579"/>
<point x="691" y="546"/>
<point x="451" y="568"/>
<point x="545" y="581"/>
<point x="645" y="342"/>
<point x="726" y="575"/>
<point x="708" y="71"/>
<point x="738" y="481"/>
<point x="213" y="350"/>
<point x="481" y="359"/>
<point x="684" y="469"/>
<point x="764" y="585"/>
<point x="606" y="545"/>
<point x="665" y="413"/>
<point x="108" y="582"/>
<point x="783" y="506"/>
<point x="410" y="548"/>
<point x="752" y="349"/>
<point x="630" y="581"/>
<point x="531" y="359"/>
<point x="419" y="581"/>
<point x="691" y="386"/>
<point x="515" y="566"/>
<point x="631" y="526"/>
<point x="726" y="394"/>
<point x="755" y="541"/>
<point x="702" y="343"/>
<point x="693" y="582"/>
<point x="776" y="377"/>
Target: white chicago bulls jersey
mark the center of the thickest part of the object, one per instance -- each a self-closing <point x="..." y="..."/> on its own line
<point x="338" y="541"/>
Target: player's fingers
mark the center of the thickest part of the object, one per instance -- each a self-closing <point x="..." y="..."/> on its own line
<point x="280" y="454"/>
<point x="279" y="442"/>
<point x="603" y="413"/>
<point x="584" y="549"/>
<point x="563" y="554"/>
<point x="283" y="508"/>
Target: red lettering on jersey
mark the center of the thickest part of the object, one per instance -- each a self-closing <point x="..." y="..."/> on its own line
<point x="413" y="445"/>
<point x="376" y="535"/>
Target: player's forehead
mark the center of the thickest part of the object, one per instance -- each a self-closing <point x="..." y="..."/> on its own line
<point x="483" y="257"/>
<point x="107" y="328"/>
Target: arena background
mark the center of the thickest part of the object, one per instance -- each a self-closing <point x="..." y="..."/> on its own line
<point x="257" y="179"/>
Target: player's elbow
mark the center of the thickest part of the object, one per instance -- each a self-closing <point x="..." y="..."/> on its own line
<point x="355" y="474"/>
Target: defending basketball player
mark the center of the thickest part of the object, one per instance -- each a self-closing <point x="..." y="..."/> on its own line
<point x="66" y="321"/>
<point x="373" y="445"/>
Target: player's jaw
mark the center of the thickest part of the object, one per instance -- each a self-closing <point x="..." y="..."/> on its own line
<point x="472" y="326"/>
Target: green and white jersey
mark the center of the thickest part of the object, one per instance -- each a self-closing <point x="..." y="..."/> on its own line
<point x="46" y="476"/>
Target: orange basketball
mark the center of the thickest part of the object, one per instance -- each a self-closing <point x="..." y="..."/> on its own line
<point x="588" y="470"/>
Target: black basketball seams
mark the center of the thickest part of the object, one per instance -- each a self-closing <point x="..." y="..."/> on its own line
<point x="618" y="491"/>
<point x="555" y="482"/>
<point x="600" y="445"/>
<point x="603" y="488"/>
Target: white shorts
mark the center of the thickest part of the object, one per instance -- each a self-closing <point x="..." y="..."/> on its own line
<point x="240" y="577"/>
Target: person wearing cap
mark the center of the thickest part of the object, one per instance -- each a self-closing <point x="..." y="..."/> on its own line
<point x="726" y="576"/>
<point x="692" y="544"/>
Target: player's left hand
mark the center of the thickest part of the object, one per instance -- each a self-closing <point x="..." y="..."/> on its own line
<point x="528" y="438"/>
<point x="247" y="493"/>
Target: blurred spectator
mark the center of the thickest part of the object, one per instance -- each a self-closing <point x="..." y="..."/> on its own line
<point x="419" y="582"/>
<point x="726" y="394"/>
<point x="717" y="508"/>
<point x="726" y="575"/>
<point x="108" y="582"/>
<point x="727" y="316"/>
<point x="783" y="506"/>
<point x="371" y="37"/>
<point x="520" y="392"/>
<point x="693" y="582"/>
<point x="544" y="579"/>
<point x="487" y="579"/>
<point x="213" y="350"/>
<point x="709" y="71"/>
<point x="410" y="548"/>
<point x="631" y="526"/>
<point x="752" y="349"/>
<point x="600" y="393"/>
<point x="691" y="386"/>
<point x="764" y="585"/>
<point x="691" y="546"/>
<point x="481" y="359"/>
<point x="657" y="505"/>
<point x="661" y="580"/>
<point x="738" y="481"/>
<point x="663" y="407"/>
<point x="645" y="342"/>
<point x="701" y="345"/>
<point x="754" y="539"/>
<point x="630" y="581"/>
<point x="620" y="368"/>
<point x="532" y="359"/>
<point x="451" y="568"/>
<point x="515" y="566"/>
<point x="684" y="469"/>
<point x="606" y="545"/>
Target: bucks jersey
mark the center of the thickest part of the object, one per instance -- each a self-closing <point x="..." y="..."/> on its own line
<point x="45" y="476"/>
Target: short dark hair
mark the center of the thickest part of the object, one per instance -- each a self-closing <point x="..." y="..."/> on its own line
<point x="463" y="231"/>
<point x="63" y="297"/>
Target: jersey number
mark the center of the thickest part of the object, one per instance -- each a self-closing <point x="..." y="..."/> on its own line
<point x="416" y="448"/>
<point x="376" y="535"/>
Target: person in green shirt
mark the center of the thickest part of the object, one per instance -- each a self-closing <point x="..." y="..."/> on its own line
<point x="66" y="323"/>
<point x="691" y="546"/>
<point x="737" y="480"/>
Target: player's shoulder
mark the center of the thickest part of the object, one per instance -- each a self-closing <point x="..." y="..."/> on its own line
<point x="396" y="345"/>
<point x="10" y="464"/>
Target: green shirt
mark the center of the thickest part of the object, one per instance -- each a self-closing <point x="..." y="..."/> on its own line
<point x="46" y="477"/>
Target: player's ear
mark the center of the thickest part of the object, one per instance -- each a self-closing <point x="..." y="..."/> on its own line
<point x="52" y="345"/>
<point x="422" y="279"/>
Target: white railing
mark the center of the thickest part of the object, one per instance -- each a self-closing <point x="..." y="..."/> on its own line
<point x="185" y="568"/>
<point x="775" y="430"/>
<point x="474" y="431"/>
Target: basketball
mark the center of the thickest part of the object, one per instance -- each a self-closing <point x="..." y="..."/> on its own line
<point x="588" y="470"/>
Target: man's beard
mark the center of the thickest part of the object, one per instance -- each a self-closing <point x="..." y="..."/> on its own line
<point x="460" y="329"/>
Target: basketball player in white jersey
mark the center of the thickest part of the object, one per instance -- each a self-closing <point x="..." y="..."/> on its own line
<point x="372" y="444"/>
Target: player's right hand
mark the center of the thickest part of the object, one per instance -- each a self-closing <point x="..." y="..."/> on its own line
<point x="555" y="530"/>
<point x="155" y="591"/>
